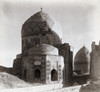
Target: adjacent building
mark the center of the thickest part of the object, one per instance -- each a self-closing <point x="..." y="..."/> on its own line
<point x="95" y="62"/>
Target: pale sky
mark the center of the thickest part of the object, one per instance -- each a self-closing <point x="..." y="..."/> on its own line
<point x="79" y="19"/>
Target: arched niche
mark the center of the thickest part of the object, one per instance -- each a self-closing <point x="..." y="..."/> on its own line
<point x="54" y="75"/>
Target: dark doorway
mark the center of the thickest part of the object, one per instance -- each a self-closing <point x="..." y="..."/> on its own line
<point x="25" y="75"/>
<point x="54" y="75"/>
<point x="37" y="73"/>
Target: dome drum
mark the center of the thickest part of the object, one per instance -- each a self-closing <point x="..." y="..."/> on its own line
<point x="43" y="49"/>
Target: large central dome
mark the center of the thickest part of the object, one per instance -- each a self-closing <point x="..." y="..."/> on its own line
<point x="41" y="17"/>
<point x="40" y="29"/>
<point x="40" y="22"/>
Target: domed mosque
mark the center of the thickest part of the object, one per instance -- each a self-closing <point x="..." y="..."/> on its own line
<point x="44" y="59"/>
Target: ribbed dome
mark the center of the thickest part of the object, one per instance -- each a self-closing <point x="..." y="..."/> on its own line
<point x="43" y="49"/>
<point x="82" y="55"/>
<point x="38" y="23"/>
<point x="82" y="61"/>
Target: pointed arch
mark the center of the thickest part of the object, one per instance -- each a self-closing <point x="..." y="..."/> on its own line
<point x="54" y="75"/>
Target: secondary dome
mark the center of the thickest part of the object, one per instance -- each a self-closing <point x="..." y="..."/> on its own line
<point x="82" y="61"/>
<point x="40" y="22"/>
<point x="82" y="55"/>
<point x="43" y="49"/>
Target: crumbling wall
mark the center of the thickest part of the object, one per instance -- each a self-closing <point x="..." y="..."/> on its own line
<point x="65" y="51"/>
<point x="95" y="62"/>
<point x="5" y="69"/>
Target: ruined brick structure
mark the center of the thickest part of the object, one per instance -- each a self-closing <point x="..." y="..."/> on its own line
<point x="64" y="50"/>
<point x="6" y="69"/>
<point x="95" y="62"/>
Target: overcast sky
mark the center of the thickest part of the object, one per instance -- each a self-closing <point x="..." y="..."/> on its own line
<point x="79" y="19"/>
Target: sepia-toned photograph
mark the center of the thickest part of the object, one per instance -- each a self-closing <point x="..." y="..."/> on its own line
<point x="49" y="46"/>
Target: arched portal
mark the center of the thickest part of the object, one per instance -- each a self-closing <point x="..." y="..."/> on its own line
<point x="54" y="75"/>
<point x="37" y="73"/>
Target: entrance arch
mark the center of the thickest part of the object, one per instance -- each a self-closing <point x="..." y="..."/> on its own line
<point x="37" y="74"/>
<point x="54" y="75"/>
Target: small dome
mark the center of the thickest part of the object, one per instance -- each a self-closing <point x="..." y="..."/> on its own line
<point x="43" y="49"/>
<point x="82" y="60"/>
